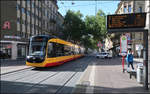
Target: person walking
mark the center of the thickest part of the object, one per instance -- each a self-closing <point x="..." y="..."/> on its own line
<point x="127" y="62"/>
<point x="130" y="59"/>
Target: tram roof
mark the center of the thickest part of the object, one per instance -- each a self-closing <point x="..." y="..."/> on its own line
<point x="57" y="40"/>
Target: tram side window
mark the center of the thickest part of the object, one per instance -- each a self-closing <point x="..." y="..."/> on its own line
<point x="59" y="49"/>
<point x="50" y="52"/>
<point x="67" y="50"/>
<point x="76" y="50"/>
<point x="79" y="51"/>
<point x="73" y="50"/>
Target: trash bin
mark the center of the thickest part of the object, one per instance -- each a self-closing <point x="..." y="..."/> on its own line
<point x="140" y="72"/>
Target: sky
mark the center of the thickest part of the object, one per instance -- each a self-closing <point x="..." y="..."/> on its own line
<point x="88" y="7"/>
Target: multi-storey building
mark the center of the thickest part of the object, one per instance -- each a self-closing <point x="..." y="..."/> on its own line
<point x="21" y="19"/>
<point x="133" y="6"/>
<point x="59" y="23"/>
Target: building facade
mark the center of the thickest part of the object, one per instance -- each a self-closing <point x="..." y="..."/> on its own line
<point x="59" y="23"/>
<point x="133" y="6"/>
<point x="22" y="19"/>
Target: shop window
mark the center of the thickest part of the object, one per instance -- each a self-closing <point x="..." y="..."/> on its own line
<point x="21" y="51"/>
<point x="5" y="51"/>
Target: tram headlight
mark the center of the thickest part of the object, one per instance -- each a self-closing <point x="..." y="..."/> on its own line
<point x="28" y="57"/>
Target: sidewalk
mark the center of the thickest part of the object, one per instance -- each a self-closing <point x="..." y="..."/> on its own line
<point x="141" y="61"/>
<point x="8" y="66"/>
<point x="105" y="76"/>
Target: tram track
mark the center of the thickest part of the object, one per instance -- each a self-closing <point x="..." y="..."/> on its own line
<point x="15" y="71"/>
<point x="59" y="89"/>
<point x="46" y="76"/>
<point x="62" y="86"/>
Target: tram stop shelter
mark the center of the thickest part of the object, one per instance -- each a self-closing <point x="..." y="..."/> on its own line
<point x="128" y="23"/>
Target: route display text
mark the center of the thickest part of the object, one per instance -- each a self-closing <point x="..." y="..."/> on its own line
<point x="120" y="21"/>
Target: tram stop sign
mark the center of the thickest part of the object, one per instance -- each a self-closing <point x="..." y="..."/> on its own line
<point x="123" y="45"/>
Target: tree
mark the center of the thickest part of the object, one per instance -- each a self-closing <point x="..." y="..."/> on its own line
<point x="86" y="32"/>
<point x="95" y="25"/>
<point x="74" y="26"/>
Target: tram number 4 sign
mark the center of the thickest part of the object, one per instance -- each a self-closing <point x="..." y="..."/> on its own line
<point x="123" y="45"/>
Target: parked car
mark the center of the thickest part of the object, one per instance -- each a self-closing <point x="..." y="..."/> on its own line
<point x="102" y="55"/>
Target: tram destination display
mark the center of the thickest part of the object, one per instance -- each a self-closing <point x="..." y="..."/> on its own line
<point x="122" y="21"/>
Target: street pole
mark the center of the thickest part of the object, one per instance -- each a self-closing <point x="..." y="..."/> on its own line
<point x="95" y="7"/>
<point x="145" y="59"/>
<point x="123" y="57"/>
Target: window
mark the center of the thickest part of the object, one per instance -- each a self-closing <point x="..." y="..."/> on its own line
<point x="18" y="24"/>
<point x="125" y="9"/>
<point x="23" y="10"/>
<point x="140" y="9"/>
<point x="32" y="4"/>
<point x="59" y="49"/>
<point x="129" y="8"/>
<point x="28" y="13"/>
<point x="28" y="1"/>
<point x="17" y="7"/>
<point x="45" y="12"/>
<point x="55" y="49"/>
<point x="21" y="51"/>
<point x="18" y="20"/>
<point x="67" y="50"/>
<point x="50" y="50"/>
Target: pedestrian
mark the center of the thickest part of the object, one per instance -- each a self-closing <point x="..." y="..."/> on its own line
<point x="130" y="59"/>
<point x="127" y="62"/>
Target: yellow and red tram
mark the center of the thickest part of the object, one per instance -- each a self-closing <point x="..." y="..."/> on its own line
<point x="46" y="51"/>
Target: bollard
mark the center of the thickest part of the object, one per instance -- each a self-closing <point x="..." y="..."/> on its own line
<point x="140" y="73"/>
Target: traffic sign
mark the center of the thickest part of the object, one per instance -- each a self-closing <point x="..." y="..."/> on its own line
<point x="123" y="45"/>
<point x="99" y="44"/>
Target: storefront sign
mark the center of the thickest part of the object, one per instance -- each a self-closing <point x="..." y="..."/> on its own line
<point x="6" y="25"/>
<point x="12" y="37"/>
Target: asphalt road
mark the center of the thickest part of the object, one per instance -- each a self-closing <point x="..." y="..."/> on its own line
<point x="58" y="79"/>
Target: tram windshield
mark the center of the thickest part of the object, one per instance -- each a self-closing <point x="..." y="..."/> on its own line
<point x="37" y="46"/>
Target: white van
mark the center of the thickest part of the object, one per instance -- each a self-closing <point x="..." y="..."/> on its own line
<point x="102" y="55"/>
<point x="109" y="55"/>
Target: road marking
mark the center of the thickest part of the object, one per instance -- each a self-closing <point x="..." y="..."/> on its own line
<point x="90" y="89"/>
<point x="92" y="76"/>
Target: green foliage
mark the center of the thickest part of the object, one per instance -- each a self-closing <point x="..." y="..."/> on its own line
<point x="86" y="32"/>
<point x="74" y="26"/>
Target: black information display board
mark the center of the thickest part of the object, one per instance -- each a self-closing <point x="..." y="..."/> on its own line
<point x="121" y="21"/>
